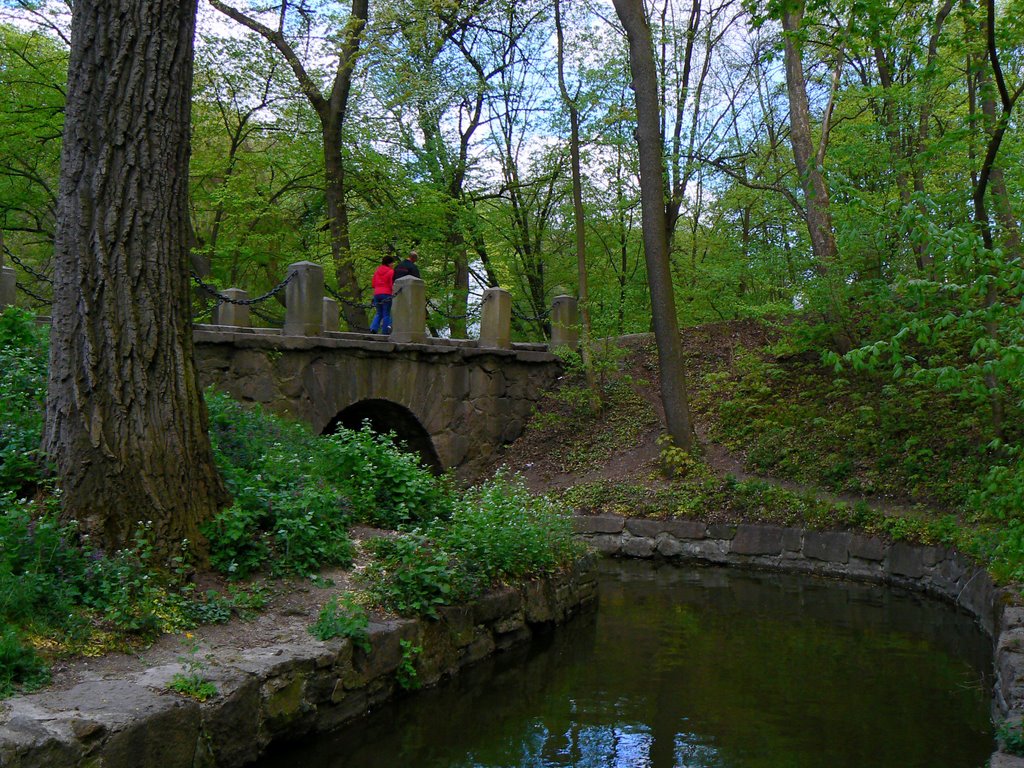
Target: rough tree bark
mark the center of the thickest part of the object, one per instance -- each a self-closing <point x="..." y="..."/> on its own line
<point x="125" y="420"/>
<point x="672" y="372"/>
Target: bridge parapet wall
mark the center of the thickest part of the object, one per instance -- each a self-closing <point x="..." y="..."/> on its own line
<point x="469" y="399"/>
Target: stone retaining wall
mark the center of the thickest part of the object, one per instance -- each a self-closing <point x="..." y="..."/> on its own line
<point x="937" y="571"/>
<point x="270" y="693"/>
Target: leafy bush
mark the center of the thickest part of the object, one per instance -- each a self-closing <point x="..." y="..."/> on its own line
<point x="413" y="576"/>
<point x="386" y="487"/>
<point x="343" y="618"/>
<point x="57" y="588"/>
<point x="1012" y="736"/>
<point x="20" y="666"/>
<point x="500" y="531"/>
<point x="23" y="361"/>
<point x="295" y="493"/>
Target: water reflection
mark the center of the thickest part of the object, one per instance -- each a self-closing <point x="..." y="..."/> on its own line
<point x="703" y="668"/>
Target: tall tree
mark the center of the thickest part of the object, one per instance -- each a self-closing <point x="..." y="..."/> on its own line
<point x="125" y="420"/>
<point x="578" y="221"/>
<point x="652" y="197"/>
<point x="808" y="160"/>
<point x="331" y="107"/>
<point x="33" y="72"/>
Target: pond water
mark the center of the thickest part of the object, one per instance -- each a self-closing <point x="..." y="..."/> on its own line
<point x="702" y="668"/>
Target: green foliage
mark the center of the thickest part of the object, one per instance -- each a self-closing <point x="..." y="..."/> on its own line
<point x="295" y="494"/>
<point x="498" y="532"/>
<point x="679" y="463"/>
<point x="20" y="665"/>
<point x="285" y="515"/>
<point x="386" y="487"/>
<point x="796" y="420"/>
<point x="192" y="681"/>
<point x="33" y="79"/>
<point x="1012" y="736"/>
<point x="58" y="592"/>
<point x="23" y="365"/>
<point x="413" y="576"/>
<point x="343" y="618"/>
<point x="407" y="675"/>
<point x="501" y="532"/>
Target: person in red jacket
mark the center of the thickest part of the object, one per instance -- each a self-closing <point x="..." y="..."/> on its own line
<point x="383" y="282"/>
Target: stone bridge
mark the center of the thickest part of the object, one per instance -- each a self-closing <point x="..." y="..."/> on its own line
<point x="453" y="401"/>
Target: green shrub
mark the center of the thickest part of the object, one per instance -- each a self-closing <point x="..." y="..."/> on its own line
<point x="407" y="676"/>
<point x="497" y="532"/>
<point x="343" y="618"/>
<point x="295" y="494"/>
<point x="78" y="599"/>
<point x="413" y="576"/>
<point x="130" y="590"/>
<point x="386" y="487"/>
<point x="1012" y="736"/>
<point x="23" y="361"/>
<point x="500" y="531"/>
<point x="20" y="666"/>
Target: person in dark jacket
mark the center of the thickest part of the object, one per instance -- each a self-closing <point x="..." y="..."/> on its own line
<point x="408" y="266"/>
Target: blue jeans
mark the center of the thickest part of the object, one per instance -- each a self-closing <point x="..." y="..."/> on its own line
<point x="381" y="320"/>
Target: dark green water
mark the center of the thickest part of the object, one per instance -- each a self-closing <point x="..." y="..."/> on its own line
<point x="702" y="668"/>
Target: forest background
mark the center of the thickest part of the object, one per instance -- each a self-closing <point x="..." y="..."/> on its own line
<point x="849" y="170"/>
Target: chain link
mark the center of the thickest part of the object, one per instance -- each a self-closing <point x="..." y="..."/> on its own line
<point x="275" y="322"/>
<point x="348" y="302"/>
<point x="446" y="316"/>
<point x="36" y="274"/>
<point x="542" y="316"/>
<point x="222" y="299"/>
<point x="33" y="295"/>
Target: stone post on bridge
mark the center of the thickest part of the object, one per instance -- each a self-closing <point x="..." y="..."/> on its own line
<point x="235" y="315"/>
<point x="332" y="315"/>
<point x="496" y="319"/>
<point x="304" y="300"/>
<point x="564" y="323"/>
<point x="8" y="280"/>
<point x="409" y="311"/>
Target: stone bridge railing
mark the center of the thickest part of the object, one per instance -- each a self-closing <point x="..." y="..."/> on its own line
<point x="309" y="312"/>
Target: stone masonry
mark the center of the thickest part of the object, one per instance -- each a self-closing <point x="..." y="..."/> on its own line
<point x="937" y="571"/>
<point x="469" y="399"/>
<point x="299" y="686"/>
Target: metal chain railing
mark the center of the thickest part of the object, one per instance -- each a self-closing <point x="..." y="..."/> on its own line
<point x="542" y="316"/>
<point x="446" y="316"/>
<point x="272" y="322"/>
<point x="222" y="299"/>
<point x="32" y="294"/>
<point x="345" y="301"/>
<point x="35" y="273"/>
<point x="470" y="315"/>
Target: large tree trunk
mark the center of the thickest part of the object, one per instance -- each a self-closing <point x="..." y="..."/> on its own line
<point x="652" y="203"/>
<point x="125" y="422"/>
<point x="816" y="197"/>
<point x="337" y="222"/>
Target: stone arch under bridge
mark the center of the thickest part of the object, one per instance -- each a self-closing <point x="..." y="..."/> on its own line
<point x="469" y="400"/>
<point x="383" y="417"/>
